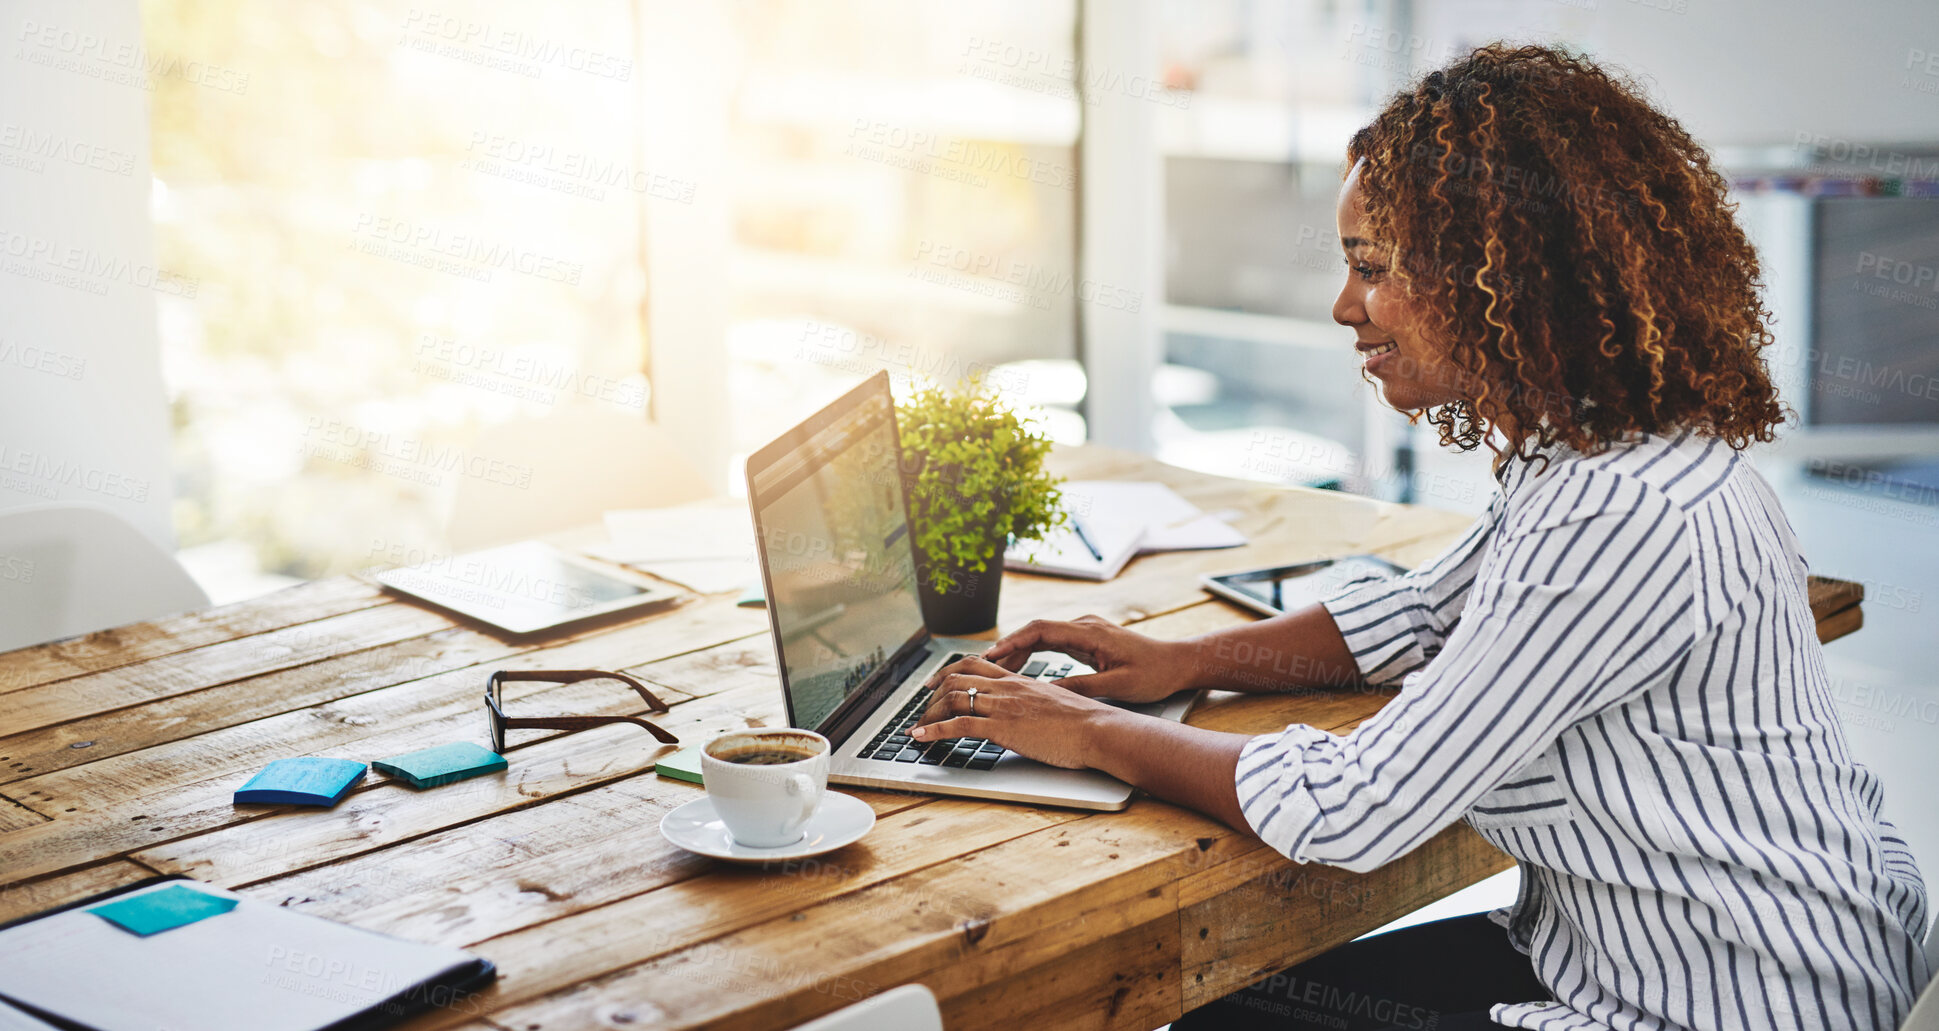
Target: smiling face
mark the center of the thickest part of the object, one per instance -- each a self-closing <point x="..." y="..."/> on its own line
<point x="1413" y="371"/>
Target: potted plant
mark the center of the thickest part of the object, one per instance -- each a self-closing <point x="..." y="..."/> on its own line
<point x="974" y="476"/>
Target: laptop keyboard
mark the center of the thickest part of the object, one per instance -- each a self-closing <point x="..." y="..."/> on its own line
<point x="893" y="743"/>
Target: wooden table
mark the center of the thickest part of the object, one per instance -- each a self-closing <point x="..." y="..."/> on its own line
<point x="119" y="752"/>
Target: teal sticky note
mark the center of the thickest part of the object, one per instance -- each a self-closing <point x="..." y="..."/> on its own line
<point x="681" y="765"/>
<point x="754" y="597"/>
<point x="306" y="781"/>
<point x="164" y="909"/>
<point x="430" y="767"/>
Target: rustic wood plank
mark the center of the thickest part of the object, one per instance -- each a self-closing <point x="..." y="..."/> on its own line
<point x="377" y="720"/>
<point x="1197" y="845"/>
<point x="1289" y="913"/>
<point x="1216" y="843"/>
<point x="183" y="672"/>
<point x="521" y="867"/>
<point x="119" y="646"/>
<point x="1840" y="623"/>
<point x="1828" y="596"/>
<point x="128" y="729"/>
<point x="14" y="816"/>
<point x="733" y="665"/>
<point x="387" y="814"/>
<point x="575" y="880"/>
<point x="18" y="900"/>
<point x="940" y="925"/>
<point x="559" y="953"/>
<point x="119" y="731"/>
<point x="1236" y="713"/>
<point x="1126" y="982"/>
<point x="160" y="794"/>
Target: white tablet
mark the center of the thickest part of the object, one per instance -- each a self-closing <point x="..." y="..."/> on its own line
<point x="526" y="587"/>
<point x="1280" y="589"/>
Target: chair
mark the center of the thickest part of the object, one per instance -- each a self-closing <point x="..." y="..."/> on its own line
<point x="566" y="470"/>
<point x="909" y="1007"/>
<point x="68" y="568"/>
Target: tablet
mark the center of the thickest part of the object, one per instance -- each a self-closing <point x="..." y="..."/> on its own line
<point x="1275" y="590"/>
<point x="526" y="587"/>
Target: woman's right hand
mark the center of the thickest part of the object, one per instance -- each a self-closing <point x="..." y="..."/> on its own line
<point x="1130" y="666"/>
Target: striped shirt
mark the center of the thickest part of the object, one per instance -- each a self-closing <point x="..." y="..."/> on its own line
<point x="1615" y="678"/>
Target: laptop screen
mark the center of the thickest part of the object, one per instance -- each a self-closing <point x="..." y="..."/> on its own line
<point x="835" y="542"/>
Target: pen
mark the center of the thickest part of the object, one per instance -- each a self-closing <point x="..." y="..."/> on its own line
<point x="1077" y="526"/>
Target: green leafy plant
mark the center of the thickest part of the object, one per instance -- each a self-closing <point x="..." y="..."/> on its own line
<point x="975" y="477"/>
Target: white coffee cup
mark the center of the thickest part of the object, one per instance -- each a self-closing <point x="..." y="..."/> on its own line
<point x="766" y="805"/>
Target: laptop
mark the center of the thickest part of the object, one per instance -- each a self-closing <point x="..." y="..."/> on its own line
<point x="839" y="568"/>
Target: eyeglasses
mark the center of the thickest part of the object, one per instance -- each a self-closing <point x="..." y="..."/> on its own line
<point x="500" y="723"/>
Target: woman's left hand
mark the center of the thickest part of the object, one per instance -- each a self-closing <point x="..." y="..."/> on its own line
<point x="1041" y="721"/>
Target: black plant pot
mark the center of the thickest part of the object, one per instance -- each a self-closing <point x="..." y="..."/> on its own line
<point x="968" y="608"/>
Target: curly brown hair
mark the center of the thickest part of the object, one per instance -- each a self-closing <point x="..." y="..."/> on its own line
<point x="1576" y="252"/>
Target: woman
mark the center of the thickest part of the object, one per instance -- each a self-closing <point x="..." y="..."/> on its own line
<point x="1613" y="676"/>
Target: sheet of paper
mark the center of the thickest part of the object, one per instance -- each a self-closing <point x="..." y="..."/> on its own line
<point x="1111" y="514"/>
<point x="707" y="547"/>
<point x="14" y="1020"/>
<point x="711" y="530"/>
<point x="1170" y="522"/>
<point x="1211" y="530"/>
<point x="707" y="576"/>
<point x="1122" y="517"/>
<point x="1062" y="552"/>
<point x="259" y="967"/>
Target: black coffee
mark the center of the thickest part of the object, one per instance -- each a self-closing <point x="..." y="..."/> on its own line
<point x="771" y="757"/>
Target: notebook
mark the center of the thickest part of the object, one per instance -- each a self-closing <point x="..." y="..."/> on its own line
<point x="176" y="953"/>
<point x="1120" y="519"/>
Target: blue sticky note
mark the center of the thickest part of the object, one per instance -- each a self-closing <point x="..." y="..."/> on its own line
<point x="306" y="781"/>
<point x="430" y="767"/>
<point x="164" y="909"/>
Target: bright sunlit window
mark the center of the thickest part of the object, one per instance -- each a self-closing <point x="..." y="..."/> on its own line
<point x="410" y="223"/>
<point x="406" y="225"/>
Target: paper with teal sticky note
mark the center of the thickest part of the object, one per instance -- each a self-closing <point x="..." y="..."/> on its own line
<point x="310" y="780"/>
<point x="430" y="767"/>
<point x="164" y="909"/>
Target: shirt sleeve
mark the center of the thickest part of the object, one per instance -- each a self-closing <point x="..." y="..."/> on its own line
<point x="1583" y="600"/>
<point x="1394" y="625"/>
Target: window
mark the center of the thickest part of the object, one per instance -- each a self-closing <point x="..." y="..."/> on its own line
<point x="413" y="221"/>
<point x="902" y="198"/>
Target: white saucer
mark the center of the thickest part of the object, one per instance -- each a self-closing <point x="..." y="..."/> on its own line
<point x="841" y="820"/>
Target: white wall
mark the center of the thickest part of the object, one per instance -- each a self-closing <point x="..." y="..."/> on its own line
<point x="1737" y="72"/>
<point x="82" y="414"/>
